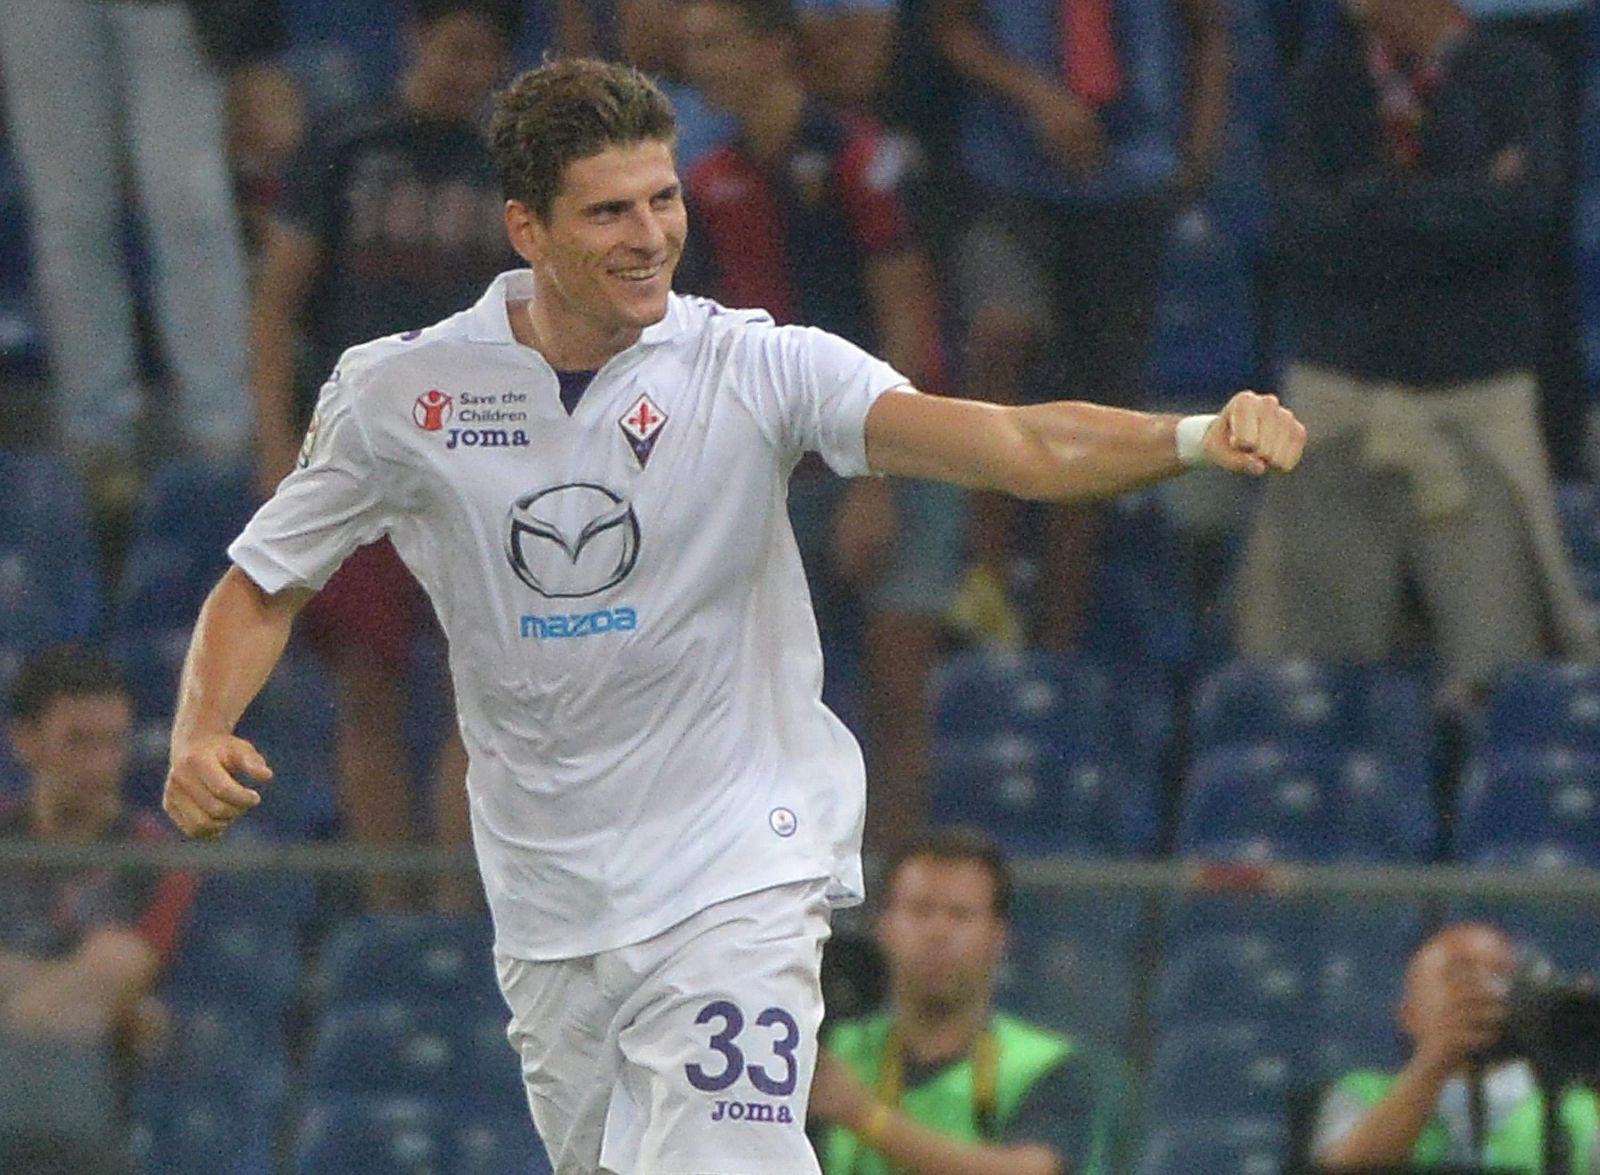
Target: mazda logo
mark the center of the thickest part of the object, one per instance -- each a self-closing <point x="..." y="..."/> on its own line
<point x="572" y="540"/>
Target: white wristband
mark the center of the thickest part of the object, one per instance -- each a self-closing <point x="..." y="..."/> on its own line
<point x="1191" y="437"/>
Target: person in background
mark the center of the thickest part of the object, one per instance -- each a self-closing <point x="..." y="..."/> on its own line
<point x="1419" y="173"/>
<point x="800" y="215"/>
<point x="1453" y="1007"/>
<point x="1085" y="126"/>
<point x="390" y="221"/>
<point x="942" y="1083"/>
<point x="1559" y="27"/>
<point x="81" y="950"/>
<point x="89" y="85"/>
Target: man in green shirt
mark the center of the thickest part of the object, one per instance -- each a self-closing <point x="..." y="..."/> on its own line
<point x="1453" y="1006"/>
<point x="942" y="1084"/>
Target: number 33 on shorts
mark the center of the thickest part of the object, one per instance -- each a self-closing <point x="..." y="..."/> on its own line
<point x="769" y="1067"/>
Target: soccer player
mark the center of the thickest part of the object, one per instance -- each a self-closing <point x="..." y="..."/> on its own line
<point x="587" y="474"/>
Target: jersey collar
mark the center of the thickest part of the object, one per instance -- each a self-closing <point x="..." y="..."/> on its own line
<point x="487" y="321"/>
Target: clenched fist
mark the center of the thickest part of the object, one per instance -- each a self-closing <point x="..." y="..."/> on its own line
<point x="1255" y="434"/>
<point x="203" y="793"/>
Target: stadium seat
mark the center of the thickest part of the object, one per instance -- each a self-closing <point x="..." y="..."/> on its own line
<point x="427" y="956"/>
<point x="1261" y="804"/>
<point x="1251" y="1146"/>
<point x="504" y="1144"/>
<point x="342" y="1135"/>
<point x="190" y="512"/>
<point x="50" y="587"/>
<point x="1310" y="705"/>
<point x="1535" y="807"/>
<point x="1071" y="965"/>
<point x="1218" y="1072"/>
<point x="1235" y="978"/>
<point x="1042" y="707"/>
<point x="435" y="1049"/>
<point x="251" y="959"/>
<point x="201" y="1134"/>
<point x="373" y="1136"/>
<point x="214" y="1099"/>
<point x="1030" y="795"/>
<point x="1542" y="704"/>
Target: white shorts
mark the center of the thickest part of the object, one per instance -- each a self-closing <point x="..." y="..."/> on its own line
<point x="688" y="1054"/>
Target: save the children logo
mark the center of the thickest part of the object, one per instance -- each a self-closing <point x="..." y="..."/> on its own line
<point x="432" y="410"/>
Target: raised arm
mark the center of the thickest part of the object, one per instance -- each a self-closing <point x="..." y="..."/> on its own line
<point x="238" y="639"/>
<point x="1070" y="450"/>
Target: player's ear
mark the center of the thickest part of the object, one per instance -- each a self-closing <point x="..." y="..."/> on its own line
<point x="526" y="232"/>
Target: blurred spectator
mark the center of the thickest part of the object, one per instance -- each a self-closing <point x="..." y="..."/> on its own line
<point x="800" y="216"/>
<point x="1453" y="1007"/>
<point x="846" y="47"/>
<point x="1419" y="170"/>
<point x="80" y="950"/>
<point x="1559" y="27"/>
<point x="85" y="79"/>
<point x="389" y="222"/>
<point x="942" y="1083"/>
<point x="1085" y="124"/>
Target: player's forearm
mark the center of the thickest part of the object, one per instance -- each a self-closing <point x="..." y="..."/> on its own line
<point x="1389" y="1131"/>
<point x="1069" y="450"/>
<point x="919" y="1150"/>
<point x="238" y="639"/>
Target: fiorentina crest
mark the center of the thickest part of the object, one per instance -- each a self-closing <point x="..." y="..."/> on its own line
<point x="642" y="425"/>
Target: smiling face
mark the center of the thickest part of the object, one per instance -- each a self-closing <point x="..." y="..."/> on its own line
<point x="604" y="257"/>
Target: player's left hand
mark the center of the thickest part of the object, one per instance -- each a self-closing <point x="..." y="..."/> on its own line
<point x="1255" y="434"/>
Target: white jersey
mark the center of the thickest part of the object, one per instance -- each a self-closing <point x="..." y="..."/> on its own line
<point x="636" y="663"/>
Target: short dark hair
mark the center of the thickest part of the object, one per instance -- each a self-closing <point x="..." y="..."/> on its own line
<point x="960" y="843"/>
<point x="570" y="109"/>
<point x="768" y="18"/>
<point x="63" y="671"/>
<point x="504" y="16"/>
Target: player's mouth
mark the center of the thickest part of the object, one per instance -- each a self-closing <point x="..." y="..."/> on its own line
<point x="641" y="273"/>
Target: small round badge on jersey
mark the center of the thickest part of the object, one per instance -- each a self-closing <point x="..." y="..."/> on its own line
<point x="783" y="821"/>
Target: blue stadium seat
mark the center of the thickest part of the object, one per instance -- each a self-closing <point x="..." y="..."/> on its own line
<point x="1250" y="1146"/>
<point x="426" y="956"/>
<point x="373" y="1136"/>
<point x="341" y="1135"/>
<point x="190" y="512"/>
<point x="1266" y="804"/>
<point x="504" y="1144"/>
<point x="436" y="1049"/>
<point x="1543" y="704"/>
<point x="214" y="1099"/>
<point x="1072" y="965"/>
<point x="1314" y="706"/>
<point x="1245" y="978"/>
<point x="201" y="1134"/>
<point x="253" y="960"/>
<point x="1538" y="807"/>
<point x="1031" y="795"/>
<point x="50" y="586"/>
<point x="1063" y="708"/>
<point x="1217" y="1072"/>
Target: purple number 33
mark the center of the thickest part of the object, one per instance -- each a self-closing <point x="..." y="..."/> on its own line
<point x="734" y="1064"/>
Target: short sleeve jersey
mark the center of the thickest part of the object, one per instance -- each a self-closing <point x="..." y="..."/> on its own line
<point x="636" y="665"/>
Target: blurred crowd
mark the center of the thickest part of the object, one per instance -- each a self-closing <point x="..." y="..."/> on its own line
<point x="1385" y="211"/>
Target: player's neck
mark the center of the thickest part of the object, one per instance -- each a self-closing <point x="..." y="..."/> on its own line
<point x="568" y="341"/>
<point x="770" y="123"/>
<point x="934" y="1033"/>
